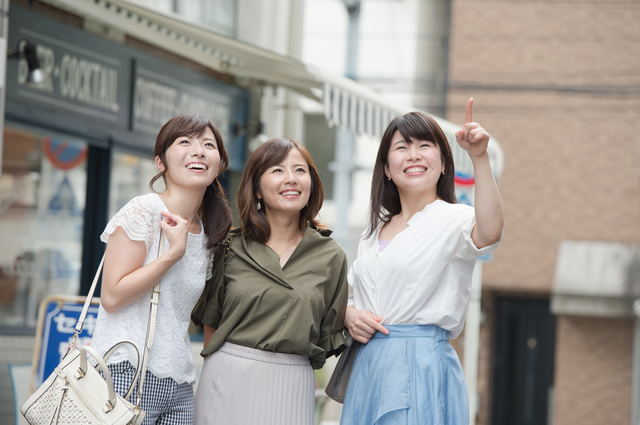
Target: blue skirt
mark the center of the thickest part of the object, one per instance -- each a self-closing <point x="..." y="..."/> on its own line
<point x="412" y="376"/>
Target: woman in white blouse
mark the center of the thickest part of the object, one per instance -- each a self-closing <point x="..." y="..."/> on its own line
<point x="194" y="217"/>
<point x="411" y="281"/>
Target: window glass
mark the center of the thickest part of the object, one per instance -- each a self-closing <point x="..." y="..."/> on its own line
<point x="42" y="202"/>
<point x="130" y="177"/>
<point x="217" y="14"/>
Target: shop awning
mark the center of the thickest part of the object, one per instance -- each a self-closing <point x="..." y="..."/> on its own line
<point x="346" y="103"/>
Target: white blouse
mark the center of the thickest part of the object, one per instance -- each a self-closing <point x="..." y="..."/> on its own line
<point x="424" y="275"/>
<point x="171" y="355"/>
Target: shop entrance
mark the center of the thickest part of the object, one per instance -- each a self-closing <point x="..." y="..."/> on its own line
<point x="524" y="361"/>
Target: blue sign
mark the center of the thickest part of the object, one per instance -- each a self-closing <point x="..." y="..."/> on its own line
<point x="60" y="318"/>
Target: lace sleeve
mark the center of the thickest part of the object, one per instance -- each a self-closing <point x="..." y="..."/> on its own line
<point x="138" y="219"/>
<point x="209" y="266"/>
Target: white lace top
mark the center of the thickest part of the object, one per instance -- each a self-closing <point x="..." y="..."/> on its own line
<point x="180" y="288"/>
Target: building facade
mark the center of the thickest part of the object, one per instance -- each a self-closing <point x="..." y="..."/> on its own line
<point x="557" y="84"/>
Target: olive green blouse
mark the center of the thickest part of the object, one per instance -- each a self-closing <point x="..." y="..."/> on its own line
<point x="297" y="309"/>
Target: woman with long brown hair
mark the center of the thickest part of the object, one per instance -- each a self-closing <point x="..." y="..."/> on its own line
<point x="412" y="278"/>
<point x="274" y="307"/>
<point x="189" y="155"/>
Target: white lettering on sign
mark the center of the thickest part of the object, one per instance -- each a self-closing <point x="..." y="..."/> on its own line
<point x="89" y="82"/>
<point x="66" y="325"/>
<point x="217" y="113"/>
<point x="156" y="104"/>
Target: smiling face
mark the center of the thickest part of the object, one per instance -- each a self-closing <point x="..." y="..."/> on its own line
<point x="286" y="187"/>
<point x="191" y="161"/>
<point x="414" y="165"/>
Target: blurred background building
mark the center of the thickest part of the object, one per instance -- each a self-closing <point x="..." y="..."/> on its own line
<point x="556" y="83"/>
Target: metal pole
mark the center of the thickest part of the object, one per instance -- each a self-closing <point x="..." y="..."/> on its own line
<point x="343" y="165"/>
<point x="472" y="341"/>
<point x="293" y="116"/>
<point x="635" y="370"/>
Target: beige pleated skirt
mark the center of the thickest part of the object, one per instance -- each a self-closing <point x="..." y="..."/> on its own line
<point x="244" y="386"/>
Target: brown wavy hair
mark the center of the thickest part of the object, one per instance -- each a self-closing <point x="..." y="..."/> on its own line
<point x="385" y="199"/>
<point x="254" y="221"/>
<point x="214" y="209"/>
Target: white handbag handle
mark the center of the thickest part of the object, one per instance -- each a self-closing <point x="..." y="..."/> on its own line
<point x="138" y="368"/>
<point x="111" y="402"/>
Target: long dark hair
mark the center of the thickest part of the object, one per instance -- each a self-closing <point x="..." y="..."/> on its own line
<point x="214" y="209"/>
<point x="254" y="221"/>
<point x="385" y="199"/>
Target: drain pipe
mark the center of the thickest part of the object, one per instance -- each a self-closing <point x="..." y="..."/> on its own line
<point x="472" y="342"/>
<point x="635" y="371"/>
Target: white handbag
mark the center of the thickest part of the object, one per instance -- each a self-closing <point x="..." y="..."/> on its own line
<point x="75" y="393"/>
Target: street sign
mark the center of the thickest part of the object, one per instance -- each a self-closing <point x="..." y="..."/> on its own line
<point x="57" y="319"/>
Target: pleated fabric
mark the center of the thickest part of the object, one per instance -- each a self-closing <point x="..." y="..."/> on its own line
<point x="244" y="386"/>
<point x="410" y="377"/>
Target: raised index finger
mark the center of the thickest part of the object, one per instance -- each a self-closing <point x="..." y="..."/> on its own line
<point x="468" y="116"/>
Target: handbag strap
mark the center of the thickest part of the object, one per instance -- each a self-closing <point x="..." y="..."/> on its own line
<point x="151" y="325"/>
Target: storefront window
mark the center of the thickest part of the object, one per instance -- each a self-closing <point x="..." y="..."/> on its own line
<point x="42" y="202"/>
<point x="130" y="177"/>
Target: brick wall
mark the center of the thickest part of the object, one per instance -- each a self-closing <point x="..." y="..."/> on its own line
<point x="558" y="85"/>
<point x="592" y="377"/>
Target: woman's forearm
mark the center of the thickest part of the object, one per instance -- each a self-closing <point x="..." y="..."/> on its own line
<point x="488" y="204"/>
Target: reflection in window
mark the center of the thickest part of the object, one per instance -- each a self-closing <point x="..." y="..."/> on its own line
<point x="220" y="15"/>
<point x="130" y="177"/>
<point x="42" y="201"/>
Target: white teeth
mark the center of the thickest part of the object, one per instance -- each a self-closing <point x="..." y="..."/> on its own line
<point x="198" y="166"/>
<point x="415" y="170"/>
<point x="290" y="192"/>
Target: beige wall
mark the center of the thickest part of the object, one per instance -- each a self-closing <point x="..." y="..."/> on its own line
<point x="592" y="376"/>
<point x="558" y="85"/>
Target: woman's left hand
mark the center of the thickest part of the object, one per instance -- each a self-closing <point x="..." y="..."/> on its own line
<point x="472" y="137"/>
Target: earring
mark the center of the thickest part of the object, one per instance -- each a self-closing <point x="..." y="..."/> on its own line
<point x="443" y="172"/>
<point x="389" y="178"/>
<point x="259" y="206"/>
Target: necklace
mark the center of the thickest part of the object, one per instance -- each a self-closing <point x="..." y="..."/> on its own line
<point x="282" y="252"/>
<point x="407" y="223"/>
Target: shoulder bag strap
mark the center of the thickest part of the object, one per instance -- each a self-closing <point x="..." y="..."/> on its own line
<point x="151" y="326"/>
<point x="87" y="303"/>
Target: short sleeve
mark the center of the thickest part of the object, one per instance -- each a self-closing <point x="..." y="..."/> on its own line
<point x="138" y="218"/>
<point x="208" y="309"/>
<point x="209" y="266"/>
<point x="332" y="329"/>
<point x="466" y="248"/>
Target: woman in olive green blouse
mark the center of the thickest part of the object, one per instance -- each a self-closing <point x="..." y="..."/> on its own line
<point x="274" y="307"/>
